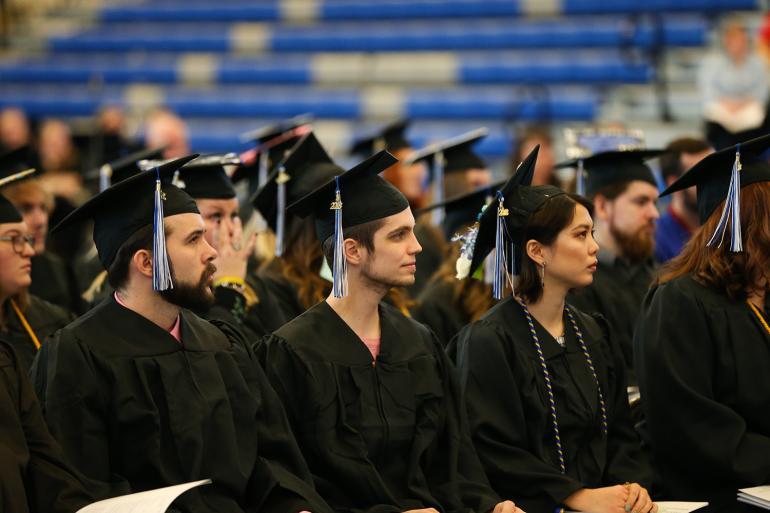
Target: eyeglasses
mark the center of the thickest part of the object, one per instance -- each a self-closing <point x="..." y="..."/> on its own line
<point x="18" y="242"/>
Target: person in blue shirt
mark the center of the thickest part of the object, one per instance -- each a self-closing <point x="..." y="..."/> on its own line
<point x="677" y="223"/>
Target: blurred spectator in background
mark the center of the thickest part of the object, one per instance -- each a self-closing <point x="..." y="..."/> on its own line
<point x="164" y="128"/>
<point x="733" y="86"/>
<point x="14" y="129"/>
<point x="679" y="221"/>
<point x="544" y="169"/>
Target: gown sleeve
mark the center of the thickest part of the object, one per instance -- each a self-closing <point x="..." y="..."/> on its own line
<point x="69" y="388"/>
<point x="692" y="430"/>
<point x="491" y="394"/>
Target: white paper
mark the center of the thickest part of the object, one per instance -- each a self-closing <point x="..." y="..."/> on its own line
<point x="151" y="501"/>
<point x="679" y="507"/>
<point x="757" y="496"/>
<point x="674" y="506"/>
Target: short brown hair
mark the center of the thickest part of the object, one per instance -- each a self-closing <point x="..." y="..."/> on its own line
<point x="671" y="161"/>
<point x="17" y="192"/>
<point x="544" y="226"/>
<point x="362" y="233"/>
<point x="117" y="274"/>
<point x="733" y="274"/>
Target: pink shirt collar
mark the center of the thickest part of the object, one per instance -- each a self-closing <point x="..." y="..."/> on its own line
<point x="175" y="330"/>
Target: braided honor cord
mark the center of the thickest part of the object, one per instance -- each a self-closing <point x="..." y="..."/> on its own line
<point x="549" y="387"/>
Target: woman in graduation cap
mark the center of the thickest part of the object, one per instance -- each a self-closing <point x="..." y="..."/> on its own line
<point x="543" y="384"/>
<point x="703" y="344"/>
<point x="25" y="319"/>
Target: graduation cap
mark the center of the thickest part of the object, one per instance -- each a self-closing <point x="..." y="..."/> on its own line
<point x="124" y="167"/>
<point x="202" y="178"/>
<point x="390" y="137"/>
<point x="8" y="212"/>
<point x="501" y="225"/>
<point x="15" y="161"/>
<point x="272" y="142"/>
<point x="306" y="167"/>
<point x="463" y="209"/>
<point x="358" y="196"/>
<point x="600" y="170"/>
<point x="456" y="150"/>
<point x="719" y="177"/>
<point x="124" y="208"/>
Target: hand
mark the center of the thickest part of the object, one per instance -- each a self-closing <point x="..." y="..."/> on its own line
<point x="610" y="499"/>
<point x="638" y="500"/>
<point x="506" y="507"/>
<point x="233" y="257"/>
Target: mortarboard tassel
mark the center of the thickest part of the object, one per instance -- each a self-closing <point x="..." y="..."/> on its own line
<point x="731" y="214"/>
<point x="16" y="176"/>
<point x="264" y="158"/>
<point x="438" y="194"/>
<point x="105" y="177"/>
<point x="580" y="179"/>
<point x="161" y="270"/>
<point x="280" y="218"/>
<point x="500" y="270"/>
<point x="339" y="267"/>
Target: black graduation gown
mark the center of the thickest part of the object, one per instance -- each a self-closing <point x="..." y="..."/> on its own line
<point x="703" y="362"/>
<point x="617" y="293"/>
<point x="255" y="321"/>
<point x="506" y="397"/>
<point x="438" y="309"/>
<point x="43" y="317"/>
<point x="135" y="410"/>
<point x="33" y="475"/>
<point x="281" y="290"/>
<point x="384" y="436"/>
<point x="54" y="281"/>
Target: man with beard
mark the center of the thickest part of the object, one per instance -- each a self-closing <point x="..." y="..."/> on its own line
<point x="624" y="193"/>
<point x="679" y="221"/>
<point x="142" y="393"/>
<point x="369" y="392"/>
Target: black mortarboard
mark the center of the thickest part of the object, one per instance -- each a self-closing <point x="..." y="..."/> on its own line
<point x="306" y="167"/>
<point x="8" y="212"/>
<point x="358" y="196"/>
<point x="124" y="167"/>
<point x="15" y="161"/>
<point x="390" y="137"/>
<point x="612" y="167"/>
<point x="272" y="142"/>
<point x="464" y="209"/>
<point x="714" y="175"/>
<point x="202" y="178"/>
<point x="121" y="210"/>
<point x="437" y="153"/>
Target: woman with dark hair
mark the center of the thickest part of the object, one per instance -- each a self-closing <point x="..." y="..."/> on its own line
<point x="702" y="347"/>
<point x="544" y="385"/>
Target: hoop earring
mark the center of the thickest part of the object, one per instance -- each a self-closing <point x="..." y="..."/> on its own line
<point x="542" y="275"/>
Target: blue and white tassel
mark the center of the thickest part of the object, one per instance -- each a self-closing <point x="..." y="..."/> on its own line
<point x="580" y="178"/>
<point x="438" y="194"/>
<point x="280" y="214"/>
<point x="105" y="177"/>
<point x="731" y="214"/>
<point x="161" y="270"/>
<point x="340" y="265"/>
<point x="500" y="272"/>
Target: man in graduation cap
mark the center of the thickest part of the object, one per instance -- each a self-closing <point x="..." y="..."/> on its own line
<point x="369" y="392"/>
<point x="240" y="296"/>
<point x="702" y="344"/>
<point x="624" y="191"/>
<point x="142" y="393"/>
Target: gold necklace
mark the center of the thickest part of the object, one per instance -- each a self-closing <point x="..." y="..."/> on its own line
<point x="759" y="316"/>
